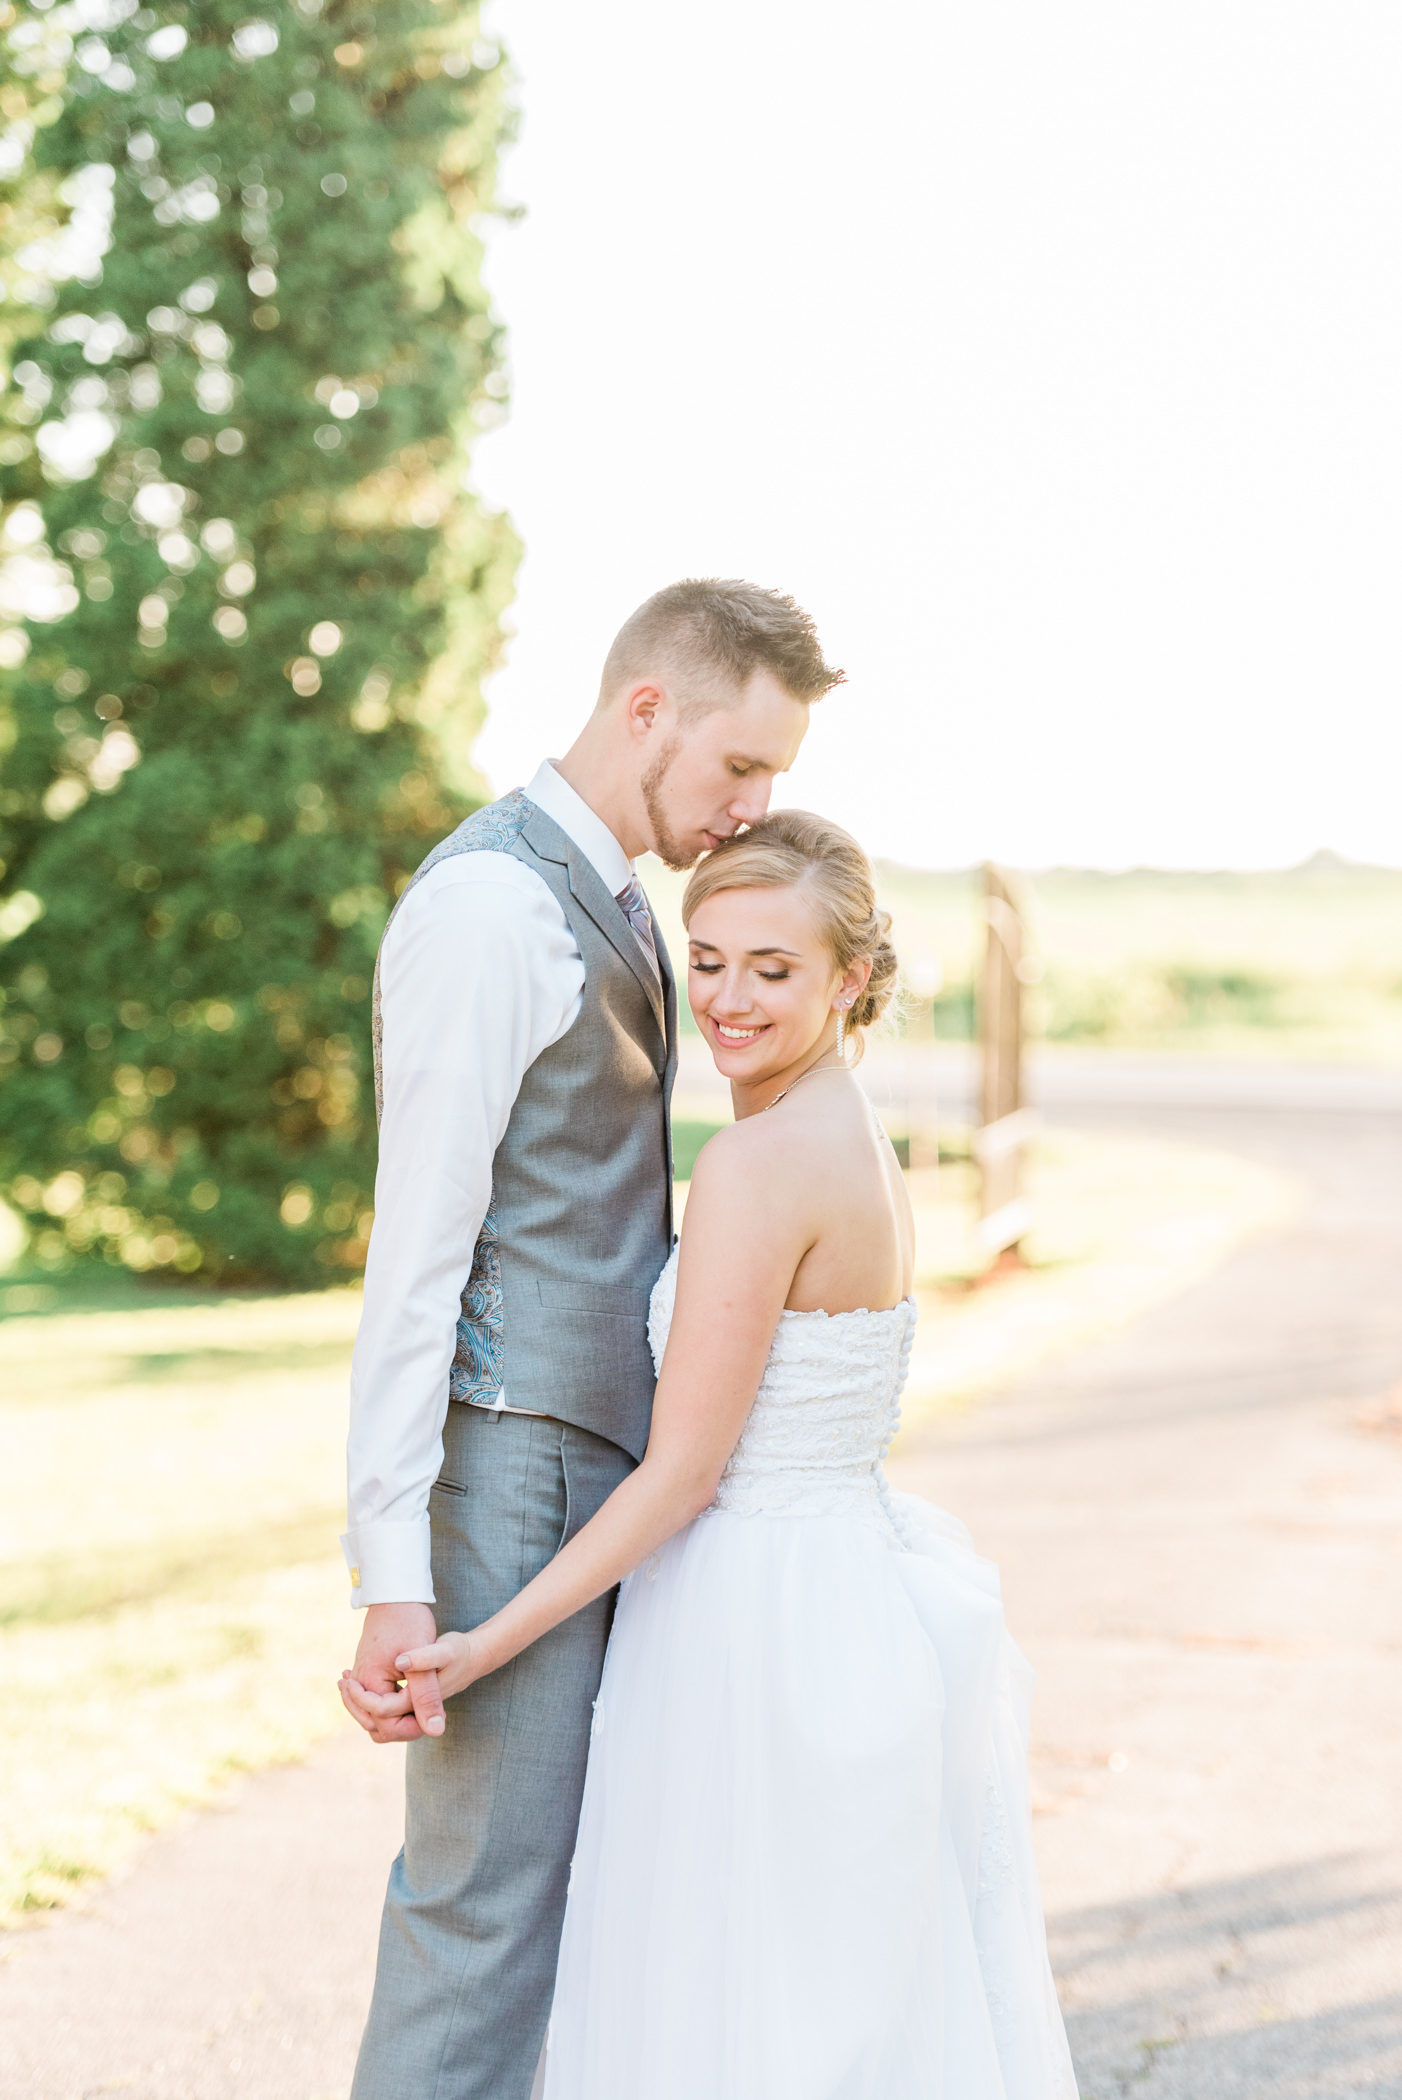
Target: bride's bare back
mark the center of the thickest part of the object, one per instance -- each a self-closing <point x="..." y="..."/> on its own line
<point x="849" y="1215"/>
<point x="863" y="1252"/>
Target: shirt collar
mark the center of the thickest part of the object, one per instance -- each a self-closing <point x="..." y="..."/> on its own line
<point x="551" y="792"/>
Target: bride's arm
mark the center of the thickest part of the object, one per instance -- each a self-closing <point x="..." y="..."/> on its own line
<point x="745" y="1237"/>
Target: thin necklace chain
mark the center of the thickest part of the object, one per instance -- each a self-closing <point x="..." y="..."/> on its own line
<point x="799" y="1081"/>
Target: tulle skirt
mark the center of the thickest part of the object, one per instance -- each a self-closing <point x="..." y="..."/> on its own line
<point x="804" y="1868"/>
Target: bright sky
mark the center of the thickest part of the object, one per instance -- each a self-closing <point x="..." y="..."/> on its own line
<point x="1050" y="355"/>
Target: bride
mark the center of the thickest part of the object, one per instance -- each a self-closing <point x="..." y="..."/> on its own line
<point x="804" y="1868"/>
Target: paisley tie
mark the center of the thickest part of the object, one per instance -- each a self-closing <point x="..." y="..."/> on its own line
<point x="634" y="905"/>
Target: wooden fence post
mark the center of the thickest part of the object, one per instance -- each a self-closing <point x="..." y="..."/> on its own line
<point x="1004" y="1215"/>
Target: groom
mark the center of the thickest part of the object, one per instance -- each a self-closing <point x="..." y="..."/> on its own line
<point x="525" y="1018"/>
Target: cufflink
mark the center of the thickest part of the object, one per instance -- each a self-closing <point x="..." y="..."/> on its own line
<point x="355" y="1578"/>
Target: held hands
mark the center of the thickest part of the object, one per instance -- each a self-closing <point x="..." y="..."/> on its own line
<point x="454" y="1661"/>
<point x="400" y="1678"/>
<point x="390" y="1706"/>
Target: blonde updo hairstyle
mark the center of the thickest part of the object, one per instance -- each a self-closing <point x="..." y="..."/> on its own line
<point x="793" y="849"/>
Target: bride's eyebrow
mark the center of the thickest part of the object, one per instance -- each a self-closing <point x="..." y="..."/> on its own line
<point x="711" y="949"/>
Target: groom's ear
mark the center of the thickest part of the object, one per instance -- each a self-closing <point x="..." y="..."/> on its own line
<point x="642" y="703"/>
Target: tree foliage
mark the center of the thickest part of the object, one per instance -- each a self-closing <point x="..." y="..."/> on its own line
<point x="259" y="598"/>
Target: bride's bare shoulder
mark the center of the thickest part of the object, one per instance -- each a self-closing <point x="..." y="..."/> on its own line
<point x="764" y="1152"/>
<point x="741" y="1149"/>
<point x="758" y="1149"/>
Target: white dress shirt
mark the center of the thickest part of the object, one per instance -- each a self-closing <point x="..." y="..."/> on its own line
<point x="479" y="974"/>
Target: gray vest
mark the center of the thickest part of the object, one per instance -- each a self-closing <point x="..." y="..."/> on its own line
<point x="554" y="1313"/>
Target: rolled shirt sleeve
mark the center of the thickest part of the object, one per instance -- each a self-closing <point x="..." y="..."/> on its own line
<point x="479" y="974"/>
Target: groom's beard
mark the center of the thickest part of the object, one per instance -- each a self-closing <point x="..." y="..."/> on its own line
<point x="665" y="844"/>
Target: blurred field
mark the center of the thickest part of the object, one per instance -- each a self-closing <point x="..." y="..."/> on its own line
<point x="1305" y="962"/>
<point x="172" y="1602"/>
<point x="171" y="1597"/>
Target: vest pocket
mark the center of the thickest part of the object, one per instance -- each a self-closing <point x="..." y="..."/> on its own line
<point x="620" y="1298"/>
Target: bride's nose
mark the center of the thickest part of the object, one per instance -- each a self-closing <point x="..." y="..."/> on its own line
<point x="734" y="996"/>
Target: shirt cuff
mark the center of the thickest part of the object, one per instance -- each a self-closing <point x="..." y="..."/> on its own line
<point x="389" y="1563"/>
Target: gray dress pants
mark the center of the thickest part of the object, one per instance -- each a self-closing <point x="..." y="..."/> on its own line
<point x="471" y="1927"/>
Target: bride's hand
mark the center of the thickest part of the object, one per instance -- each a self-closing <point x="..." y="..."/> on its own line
<point x="454" y="1657"/>
<point x="411" y="1709"/>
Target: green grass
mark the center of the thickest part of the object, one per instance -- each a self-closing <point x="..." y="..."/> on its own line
<point x="89" y="1287"/>
<point x="170" y="1585"/>
<point x="56" y="1588"/>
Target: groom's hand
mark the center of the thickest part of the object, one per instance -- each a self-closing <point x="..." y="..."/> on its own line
<point x="372" y="1691"/>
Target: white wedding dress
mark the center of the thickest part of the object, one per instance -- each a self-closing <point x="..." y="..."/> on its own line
<point x="804" y="1868"/>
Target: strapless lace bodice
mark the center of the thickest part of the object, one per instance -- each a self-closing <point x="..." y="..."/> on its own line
<point x="826" y="1411"/>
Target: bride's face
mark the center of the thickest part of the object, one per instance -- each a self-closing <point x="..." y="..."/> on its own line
<point x="762" y="981"/>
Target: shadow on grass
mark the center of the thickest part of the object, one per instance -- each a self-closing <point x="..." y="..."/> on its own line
<point x="93" y="1288"/>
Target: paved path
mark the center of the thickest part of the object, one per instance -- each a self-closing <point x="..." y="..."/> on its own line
<point x="1202" y="1552"/>
<point x="233" y="1963"/>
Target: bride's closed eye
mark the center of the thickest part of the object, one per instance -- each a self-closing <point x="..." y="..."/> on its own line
<point x="714" y="970"/>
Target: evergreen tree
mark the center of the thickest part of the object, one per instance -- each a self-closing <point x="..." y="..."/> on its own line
<point x="261" y="600"/>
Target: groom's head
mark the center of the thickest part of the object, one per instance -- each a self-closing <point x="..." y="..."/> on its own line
<point x="704" y="698"/>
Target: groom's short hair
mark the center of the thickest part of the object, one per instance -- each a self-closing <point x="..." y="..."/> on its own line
<point x="711" y="634"/>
